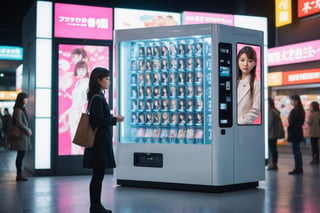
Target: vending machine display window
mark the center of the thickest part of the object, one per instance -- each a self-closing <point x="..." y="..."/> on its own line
<point x="165" y="90"/>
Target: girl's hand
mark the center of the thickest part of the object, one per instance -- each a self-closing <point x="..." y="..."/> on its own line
<point x="119" y="118"/>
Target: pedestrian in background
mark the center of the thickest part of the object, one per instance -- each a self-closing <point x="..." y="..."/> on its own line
<point x="295" y="132"/>
<point x="21" y="141"/>
<point x="314" y="131"/>
<point x="6" y="122"/>
<point x="275" y="130"/>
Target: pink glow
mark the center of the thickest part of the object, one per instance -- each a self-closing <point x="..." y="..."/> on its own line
<point x="87" y="22"/>
<point x="199" y="18"/>
<point x="258" y="70"/>
<point x="72" y="91"/>
<point x="295" y="53"/>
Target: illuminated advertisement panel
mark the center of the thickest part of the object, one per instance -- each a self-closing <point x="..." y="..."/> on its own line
<point x="295" y="53"/>
<point x="249" y="95"/>
<point x="129" y="18"/>
<point x="86" y="22"/>
<point x="301" y="77"/>
<point x="308" y="7"/>
<point x="283" y="12"/>
<point x="274" y="79"/>
<point x="75" y="63"/>
<point x="11" y="53"/>
<point x="200" y="18"/>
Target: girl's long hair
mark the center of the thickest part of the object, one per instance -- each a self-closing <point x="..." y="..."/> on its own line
<point x="296" y="97"/>
<point x="315" y="106"/>
<point x="251" y="54"/>
<point x="94" y="87"/>
<point x="19" y="104"/>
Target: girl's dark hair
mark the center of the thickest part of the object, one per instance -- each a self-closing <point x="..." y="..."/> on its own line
<point x="94" y="87"/>
<point x="296" y="97"/>
<point x="80" y="51"/>
<point x="251" y="54"/>
<point x="19" y="104"/>
<point x="19" y="100"/>
<point x="315" y="106"/>
<point x="271" y="104"/>
<point x="81" y="64"/>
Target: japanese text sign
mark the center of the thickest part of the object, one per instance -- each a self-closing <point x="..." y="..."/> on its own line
<point x="308" y="7"/>
<point x="301" y="77"/>
<point x="199" y="18"/>
<point x="283" y="12"/>
<point x="78" y="21"/>
<point x="296" y="53"/>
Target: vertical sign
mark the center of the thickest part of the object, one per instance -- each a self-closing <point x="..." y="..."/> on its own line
<point x="283" y="12"/>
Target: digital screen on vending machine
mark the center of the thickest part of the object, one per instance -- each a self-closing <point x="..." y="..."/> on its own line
<point x="75" y="62"/>
<point x="249" y="87"/>
<point x="165" y="90"/>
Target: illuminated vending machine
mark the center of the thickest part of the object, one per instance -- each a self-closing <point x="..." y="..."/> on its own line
<point x="190" y="122"/>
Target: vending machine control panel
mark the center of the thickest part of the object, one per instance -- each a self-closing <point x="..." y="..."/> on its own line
<point x="225" y="85"/>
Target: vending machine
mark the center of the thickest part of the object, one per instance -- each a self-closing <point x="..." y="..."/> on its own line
<point x="180" y="91"/>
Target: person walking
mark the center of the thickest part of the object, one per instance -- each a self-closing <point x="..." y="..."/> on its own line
<point x="100" y="156"/>
<point x="314" y="130"/>
<point x="295" y="132"/>
<point x="21" y="141"/>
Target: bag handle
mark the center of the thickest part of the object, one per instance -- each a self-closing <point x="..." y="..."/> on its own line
<point x="90" y="102"/>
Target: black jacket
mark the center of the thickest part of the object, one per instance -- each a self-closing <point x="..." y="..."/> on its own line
<point x="295" y="120"/>
<point x="101" y="154"/>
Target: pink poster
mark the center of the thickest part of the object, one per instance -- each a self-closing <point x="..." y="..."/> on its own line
<point x="257" y="49"/>
<point x="79" y="21"/>
<point x="75" y="64"/>
<point x="201" y="18"/>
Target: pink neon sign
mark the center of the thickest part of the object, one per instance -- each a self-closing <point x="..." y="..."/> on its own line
<point x="198" y="18"/>
<point x="296" y="53"/>
<point x="87" y="22"/>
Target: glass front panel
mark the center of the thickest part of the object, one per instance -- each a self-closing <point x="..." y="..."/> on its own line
<point x="165" y="89"/>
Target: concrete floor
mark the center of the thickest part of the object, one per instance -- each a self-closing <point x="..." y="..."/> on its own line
<point x="280" y="192"/>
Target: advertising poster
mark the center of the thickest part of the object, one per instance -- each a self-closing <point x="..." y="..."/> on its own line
<point x="75" y="63"/>
<point x="129" y="18"/>
<point x="80" y="21"/>
<point x="249" y="103"/>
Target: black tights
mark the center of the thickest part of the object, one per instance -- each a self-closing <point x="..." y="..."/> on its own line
<point x="273" y="150"/>
<point x="96" y="186"/>
<point x="20" y="156"/>
<point x="315" y="148"/>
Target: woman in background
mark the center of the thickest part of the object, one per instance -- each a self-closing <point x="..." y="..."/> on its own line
<point x="21" y="143"/>
<point x="100" y="156"/>
<point x="295" y="132"/>
<point x="273" y="130"/>
<point x="314" y="131"/>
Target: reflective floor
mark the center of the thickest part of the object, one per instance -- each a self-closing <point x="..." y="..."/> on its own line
<point x="280" y="192"/>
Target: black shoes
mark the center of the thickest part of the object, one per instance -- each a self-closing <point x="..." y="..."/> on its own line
<point x="272" y="166"/>
<point x="314" y="161"/>
<point x="99" y="209"/>
<point x="296" y="172"/>
<point x="20" y="178"/>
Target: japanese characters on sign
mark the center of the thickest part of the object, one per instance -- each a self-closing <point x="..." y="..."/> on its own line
<point x="301" y="77"/>
<point x="198" y="17"/>
<point x="308" y="7"/>
<point x="11" y="53"/>
<point x="296" y="53"/>
<point x="283" y="12"/>
<point x="86" y="22"/>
